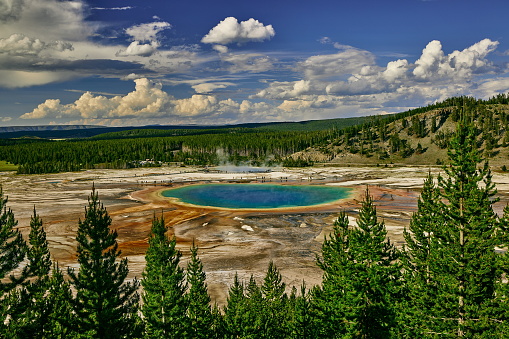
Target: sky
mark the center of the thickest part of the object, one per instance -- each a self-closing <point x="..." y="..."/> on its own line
<point x="137" y="63"/>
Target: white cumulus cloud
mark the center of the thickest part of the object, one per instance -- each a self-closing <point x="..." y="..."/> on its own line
<point x="148" y="31"/>
<point x="433" y="63"/>
<point x="145" y="39"/>
<point x="138" y="49"/>
<point x="148" y="100"/>
<point x="22" y="45"/>
<point x="230" y="30"/>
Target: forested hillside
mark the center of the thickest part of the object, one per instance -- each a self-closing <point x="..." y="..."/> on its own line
<point x="418" y="136"/>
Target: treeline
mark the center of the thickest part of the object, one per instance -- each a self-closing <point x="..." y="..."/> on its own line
<point x="254" y="148"/>
<point x="448" y="281"/>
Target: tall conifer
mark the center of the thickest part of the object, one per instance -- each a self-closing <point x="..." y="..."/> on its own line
<point x="418" y="259"/>
<point x="234" y="309"/>
<point x="105" y="304"/>
<point x="199" y="312"/>
<point x="32" y="319"/>
<point x="466" y="264"/>
<point x="164" y="302"/>
<point x="301" y="322"/>
<point x="61" y="322"/>
<point x="276" y="316"/>
<point x="13" y="251"/>
<point x="361" y="279"/>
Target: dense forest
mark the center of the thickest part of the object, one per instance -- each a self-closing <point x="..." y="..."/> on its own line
<point x="417" y="136"/>
<point x="448" y="281"/>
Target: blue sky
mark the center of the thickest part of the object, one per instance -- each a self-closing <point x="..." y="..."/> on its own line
<point x="132" y="62"/>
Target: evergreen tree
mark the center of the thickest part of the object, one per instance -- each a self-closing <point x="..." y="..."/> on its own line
<point x="32" y="319"/>
<point x="361" y="279"/>
<point x="465" y="263"/>
<point x="13" y="251"/>
<point x="327" y="301"/>
<point x="105" y="304"/>
<point x="199" y="313"/>
<point x="234" y="309"/>
<point x="421" y="284"/>
<point x="38" y="253"/>
<point x="503" y="285"/>
<point x="164" y="302"/>
<point x="61" y="322"/>
<point x="301" y="323"/>
<point x="254" y="314"/>
<point x="276" y="317"/>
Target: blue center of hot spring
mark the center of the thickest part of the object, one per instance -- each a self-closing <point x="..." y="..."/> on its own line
<point x="257" y="195"/>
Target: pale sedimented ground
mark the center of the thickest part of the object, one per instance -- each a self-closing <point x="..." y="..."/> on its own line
<point x="230" y="241"/>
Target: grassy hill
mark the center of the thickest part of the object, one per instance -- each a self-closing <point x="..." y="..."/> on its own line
<point x="419" y="138"/>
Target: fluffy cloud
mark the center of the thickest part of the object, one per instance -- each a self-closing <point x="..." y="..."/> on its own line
<point x="230" y="30"/>
<point x="350" y="78"/>
<point x="433" y="63"/>
<point x="138" y="49"/>
<point x="43" y="41"/>
<point x="320" y="101"/>
<point x="144" y="33"/>
<point x="148" y="100"/>
<point x="22" y="45"/>
<point x="148" y="31"/>
<point x="491" y="87"/>
<point x="220" y="48"/>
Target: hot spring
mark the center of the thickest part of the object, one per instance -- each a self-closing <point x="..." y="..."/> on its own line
<point x="257" y="196"/>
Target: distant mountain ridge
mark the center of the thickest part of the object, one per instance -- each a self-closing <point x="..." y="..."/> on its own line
<point x="87" y="131"/>
<point x="10" y="129"/>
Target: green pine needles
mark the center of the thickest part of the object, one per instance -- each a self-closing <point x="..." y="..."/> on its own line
<point x="105" y="305"/>
<point x="164" y="303"/>
<point x="361" y="279"/>
<point x="452" y="269"/>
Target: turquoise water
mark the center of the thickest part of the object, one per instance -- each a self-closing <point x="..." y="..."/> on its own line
<point x="257" y="195"/>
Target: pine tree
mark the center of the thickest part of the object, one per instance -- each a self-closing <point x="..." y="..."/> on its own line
<point x="361" y="279"/>
<point x="301" y="323"/>
<point x="34" y="308"/>
<point x="199" y="313"/>
<point x="417" y="261"/>
<point x="327" y="301"/>
<point x="503" y="285"/>
<point x="61" y="322"/>
<point x="465" y="264"/>
<point x="105" y="304"/>
<point x="13" y="251"/>
<point x="254" y="314"/>
<point x="234" y="309"/>
<point x="164" y="302"/>
<point x="275" y="300"/>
